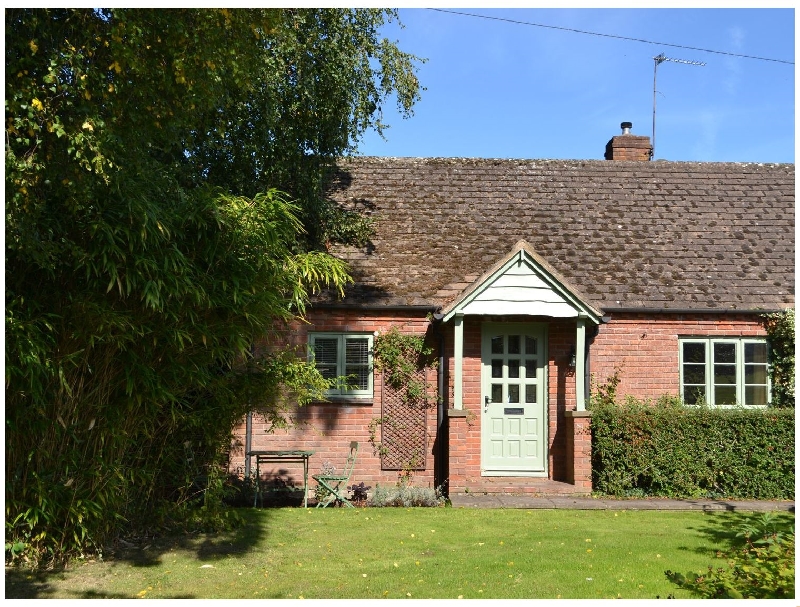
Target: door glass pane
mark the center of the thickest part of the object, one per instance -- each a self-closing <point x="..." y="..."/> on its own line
<point x="693" y="395"/>
<point x="694" y="374"/>
<point x="724" y="395"/>
<point x="755" y="395"/>
<point x="497" y="393"/>
<point x="694" y="353"/>
<point x="530" y="393"/>
<point x="497" y="345"/>
<point x="513" y="344"/>
<point x="497" y="367"/>
<point x="530" y="345"/>
<point x="513" y="393"/>
<point x="513" y="367"/>
<point x="724" y="353"/>
<point x="530" y="368"/>
<point x="755" y="353"/>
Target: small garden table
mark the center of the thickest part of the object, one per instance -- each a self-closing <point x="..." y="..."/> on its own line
<point x="263" y="457"/>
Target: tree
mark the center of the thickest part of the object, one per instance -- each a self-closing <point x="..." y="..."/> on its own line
<point x="147" y="248"/>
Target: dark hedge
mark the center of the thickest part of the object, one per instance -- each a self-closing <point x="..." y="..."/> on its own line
<point x="670" y="450"/>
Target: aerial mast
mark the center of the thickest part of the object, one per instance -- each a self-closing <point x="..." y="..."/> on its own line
<point x="658" y="60"/>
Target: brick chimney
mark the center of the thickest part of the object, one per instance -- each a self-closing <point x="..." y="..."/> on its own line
<point x="629" y="147"/>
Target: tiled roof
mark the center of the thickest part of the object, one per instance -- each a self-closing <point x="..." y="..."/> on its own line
<point x="674" y="235"/>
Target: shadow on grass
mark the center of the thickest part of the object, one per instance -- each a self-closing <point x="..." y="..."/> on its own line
<point x="22" y="583"/>
<point x="724" y="529"/>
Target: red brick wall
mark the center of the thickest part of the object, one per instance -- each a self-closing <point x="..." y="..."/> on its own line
<point x="647" y="350"/>
<point x="327" y="428"/>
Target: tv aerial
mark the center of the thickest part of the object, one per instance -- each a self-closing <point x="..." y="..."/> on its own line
<point x="659" y="59"/>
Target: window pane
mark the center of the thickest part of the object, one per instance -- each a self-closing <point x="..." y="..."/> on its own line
<point x="725" y="374"/>
<point x="325" y="355"/>
<point x="513" y="344"/>
<point x="724" y="395"/>
<point x="513" y="367"/>
<point x="755" y="353"/>
<point x="693" y="395"/>
<point x="497" y="367"/>
<point x="530" y="393"/>
<point x="357" y="351"/>
<point x="694" y="353"/>
<point x="358" y="377"/>
<point x="497" y="345"/>
<point x="755" y="395"/>
<point x="530" y="345"/>
<point x="755" y="374"/>
<point x="724" y="353"/>
<point x="530" y="368"/>
<point x="325" y="350"/>
<point x="497" y="393"/>
<point x="513" y="393"/>
<point x="694" y="374"/>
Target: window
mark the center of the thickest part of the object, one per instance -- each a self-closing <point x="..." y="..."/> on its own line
<point x="724" y="371"/>
<point x="347" y="355"/>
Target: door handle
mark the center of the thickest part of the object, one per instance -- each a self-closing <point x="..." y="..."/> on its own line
<point x="486" y="401"/>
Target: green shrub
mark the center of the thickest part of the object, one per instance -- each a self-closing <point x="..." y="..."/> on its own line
<point x="664" y="448"/>
<point x="406" y="496"/>
<point x="762" y="568"/>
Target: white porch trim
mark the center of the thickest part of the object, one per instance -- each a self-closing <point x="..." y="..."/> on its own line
<point x="580" y="364"/>
<point x="458" y="355"/>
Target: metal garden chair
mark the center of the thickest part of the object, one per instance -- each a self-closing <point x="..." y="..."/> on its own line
<point x="336" y="484"/>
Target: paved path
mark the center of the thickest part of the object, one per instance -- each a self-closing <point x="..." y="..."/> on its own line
<point x="473" y="500"/>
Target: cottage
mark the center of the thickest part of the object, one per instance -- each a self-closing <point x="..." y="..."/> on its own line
<point x="529" y="278"/>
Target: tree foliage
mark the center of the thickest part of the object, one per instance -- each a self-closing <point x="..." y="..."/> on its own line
<point x="149" y="243"/>
<point x="781" y="331"/>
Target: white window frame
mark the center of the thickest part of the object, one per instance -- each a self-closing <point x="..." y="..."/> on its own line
<point x="341" y="362"/>
<point x="708" y="344"/>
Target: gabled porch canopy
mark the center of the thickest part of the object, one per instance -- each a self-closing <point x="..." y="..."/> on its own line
<point x="521" y="284"/>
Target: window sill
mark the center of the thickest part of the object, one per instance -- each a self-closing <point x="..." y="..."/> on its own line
<point x="347" y="401"/>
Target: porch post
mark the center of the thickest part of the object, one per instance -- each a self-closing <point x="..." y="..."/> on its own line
<point x="580" y="365"/>
<point x="458" y="355"/>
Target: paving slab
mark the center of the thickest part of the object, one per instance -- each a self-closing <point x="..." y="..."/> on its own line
<point x="498" y="500"/>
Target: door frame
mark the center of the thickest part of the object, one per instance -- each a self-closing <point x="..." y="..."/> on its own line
<point x="542" y="328"/>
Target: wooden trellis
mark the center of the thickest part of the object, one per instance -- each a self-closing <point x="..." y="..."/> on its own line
<point x="404" y="437"/>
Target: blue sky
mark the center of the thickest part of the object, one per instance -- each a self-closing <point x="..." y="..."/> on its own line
<point x="498" y="89"/>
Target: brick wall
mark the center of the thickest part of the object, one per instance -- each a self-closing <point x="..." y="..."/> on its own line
<point x="647" y="350"/>
<point x="327" y="428"/>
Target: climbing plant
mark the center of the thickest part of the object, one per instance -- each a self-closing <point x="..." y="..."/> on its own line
<point x="780" y="329"/>
<point x="403" y="359"/>
<point x="399" y="356"/>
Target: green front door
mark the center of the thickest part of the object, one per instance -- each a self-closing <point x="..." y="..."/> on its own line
<point x="513" y="419"/>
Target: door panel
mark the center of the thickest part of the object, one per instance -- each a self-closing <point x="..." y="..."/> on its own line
<point x="513" y="393"/>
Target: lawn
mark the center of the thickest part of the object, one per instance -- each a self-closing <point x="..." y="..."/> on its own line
<point x="290" y="553"/>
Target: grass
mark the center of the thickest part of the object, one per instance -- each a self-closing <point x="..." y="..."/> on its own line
<point x="290" y="553"/>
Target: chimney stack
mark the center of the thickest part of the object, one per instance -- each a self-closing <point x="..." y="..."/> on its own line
<point x="629" y="147"/>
